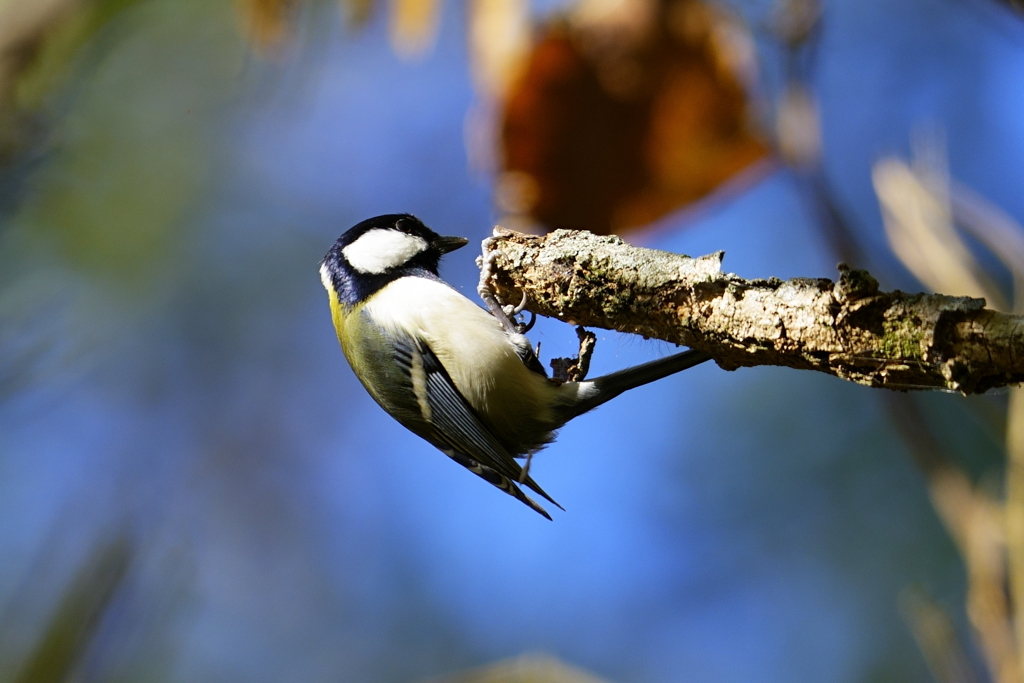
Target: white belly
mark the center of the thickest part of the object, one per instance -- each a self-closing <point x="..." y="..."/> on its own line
<point x="472" y="346"/>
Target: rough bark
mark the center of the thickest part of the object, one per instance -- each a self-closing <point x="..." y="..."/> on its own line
<point x="848" y="328"/>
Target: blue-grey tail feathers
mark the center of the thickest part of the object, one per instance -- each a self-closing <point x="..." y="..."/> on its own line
<point x="609" y="386"/>
<point x="596" y="392"/>
<point x="502" y="482"/>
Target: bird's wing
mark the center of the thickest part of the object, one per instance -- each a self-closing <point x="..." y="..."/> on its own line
<point x="457" y="428"/>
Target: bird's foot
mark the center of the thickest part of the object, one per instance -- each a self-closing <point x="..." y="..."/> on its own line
<point x="513" y="312"/>
<point x="506" y="315"/>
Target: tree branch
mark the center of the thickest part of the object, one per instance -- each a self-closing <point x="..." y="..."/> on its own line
<point x="848" y="328"/>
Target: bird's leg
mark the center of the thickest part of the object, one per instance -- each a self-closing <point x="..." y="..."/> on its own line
<point x="483" y="288"/>
<point x="525" y="473"/>
<point x="506" y="315"/>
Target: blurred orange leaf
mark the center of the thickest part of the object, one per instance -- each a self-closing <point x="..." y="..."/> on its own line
<point x="612" y="126"/>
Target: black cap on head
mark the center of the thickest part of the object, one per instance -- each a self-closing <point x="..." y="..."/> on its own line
<point x="381" y="249"/>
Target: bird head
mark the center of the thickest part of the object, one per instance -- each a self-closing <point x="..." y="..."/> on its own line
<point x="382" y="249"/>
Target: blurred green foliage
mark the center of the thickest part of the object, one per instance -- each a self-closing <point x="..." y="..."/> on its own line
<point x="132" y="152"/>
<point x="66" y="638"/>
<point x="60" y="46"/>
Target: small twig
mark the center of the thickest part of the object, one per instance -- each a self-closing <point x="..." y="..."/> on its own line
<point x="575" y="369"/>
<point x="974" y="522"/>
<point x="936" y="637"/>
<point x="1014" y="509"/>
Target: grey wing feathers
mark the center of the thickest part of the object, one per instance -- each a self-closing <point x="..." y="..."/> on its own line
<point x="458" y="430"/>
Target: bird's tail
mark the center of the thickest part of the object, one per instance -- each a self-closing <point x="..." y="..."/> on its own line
<point x="499" y="480"/>
<point x="597" y="391"/>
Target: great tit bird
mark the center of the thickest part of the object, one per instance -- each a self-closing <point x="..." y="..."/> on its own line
<point x="450" y="371"/>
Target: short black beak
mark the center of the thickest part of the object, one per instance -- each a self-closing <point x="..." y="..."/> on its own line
<point x="446" y="244"/>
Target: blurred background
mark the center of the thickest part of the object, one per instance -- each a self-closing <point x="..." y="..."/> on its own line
<point x="194" y="487"/>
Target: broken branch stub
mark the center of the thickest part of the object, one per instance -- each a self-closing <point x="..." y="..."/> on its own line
<point x="848" y="328"/>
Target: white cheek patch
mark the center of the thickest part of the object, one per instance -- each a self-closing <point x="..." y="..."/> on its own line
<point x="380" y="250"/>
